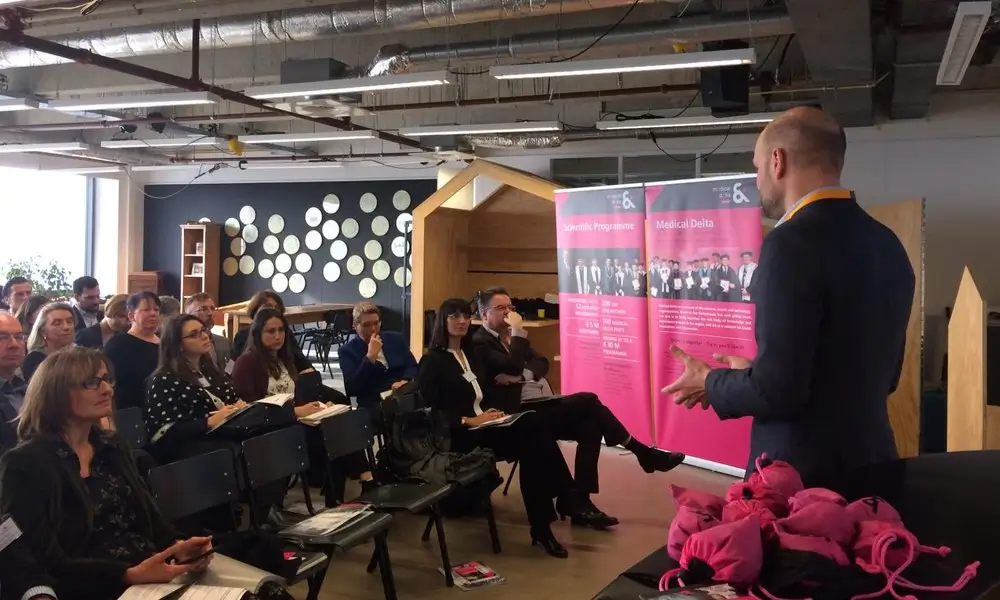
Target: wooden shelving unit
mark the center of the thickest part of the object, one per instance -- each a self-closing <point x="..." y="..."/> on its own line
<point x="200" y="252"/>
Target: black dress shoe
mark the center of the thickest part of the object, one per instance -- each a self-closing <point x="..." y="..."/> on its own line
<point x="659" y="460"/>
<point x="549" y="543"/>
<point x="583" y="513"/>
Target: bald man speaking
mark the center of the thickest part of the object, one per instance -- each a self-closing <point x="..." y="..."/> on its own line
<point x="833" y="290"/>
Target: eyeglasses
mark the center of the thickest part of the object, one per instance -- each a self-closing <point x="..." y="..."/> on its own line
<point x="370" y="324"/>
<point x="204" y="309"/>
<point x="197" y="334"/>
<point x="503" y="308"/>
<point x="5" y="338"/>
<point x="93" y="383"/>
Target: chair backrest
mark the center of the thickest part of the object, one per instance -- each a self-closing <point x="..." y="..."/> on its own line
<point x="191" y="485"/>
<point x="129" y="425"/>
<point x="343" y="321"/>
<point x="275" y="456"/>
<point x="346" y="433"/>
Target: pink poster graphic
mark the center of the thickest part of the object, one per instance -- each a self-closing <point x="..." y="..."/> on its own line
<point x="703" y="240"/>
<point x="603" y="333"/>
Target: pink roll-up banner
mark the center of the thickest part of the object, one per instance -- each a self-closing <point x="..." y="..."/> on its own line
<point x="603" y="332"/>
<point x="703" y="240"/>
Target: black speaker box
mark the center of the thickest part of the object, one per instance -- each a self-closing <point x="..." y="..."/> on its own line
<point x="726" y="90"/>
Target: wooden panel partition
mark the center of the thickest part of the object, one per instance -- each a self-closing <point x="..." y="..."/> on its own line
<point x="967" y="409"/>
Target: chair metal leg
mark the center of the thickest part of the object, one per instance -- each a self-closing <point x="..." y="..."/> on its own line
<point x="491" y="520"/>
<point x="315" y="583"/>
<point x="449" y="580"/>
<point x="373" y="561"/>
<point x="510" y="478"/>
<point x="306" y="495"/>
<point x="385" y="566"/>
<point x="427" y="530"/>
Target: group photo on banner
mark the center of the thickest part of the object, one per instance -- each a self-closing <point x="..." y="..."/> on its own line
<point x="646" y="267"/>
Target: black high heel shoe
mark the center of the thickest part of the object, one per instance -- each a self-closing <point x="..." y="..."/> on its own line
<point x="549" y="543"/>
<point x="583" y="513"/>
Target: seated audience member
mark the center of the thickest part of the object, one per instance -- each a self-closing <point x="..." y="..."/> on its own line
<point x="74" y="491"/>
<point x="374" y="361"/>
<point x="169" y="307"/>
<point x="267" y="367"/>
<point x="87" y="302"/>
<point x="20" y="576"/>
<point x="269" y="299"/>
<point x="28" y="312"/>
<point x="451" y="382"/>
<point x="15" y="292"/>
<point x="135" y="354"/>
<point x="52" y="332"/>
<point x="115" y="321"/>
<point x="514" y="372"/>
<point x="203" y="307"/>
<point x="187" y="394"/>
<point x="12" y="385"/>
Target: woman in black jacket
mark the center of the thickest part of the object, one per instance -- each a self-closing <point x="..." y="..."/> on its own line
<point x="448" y="380"/>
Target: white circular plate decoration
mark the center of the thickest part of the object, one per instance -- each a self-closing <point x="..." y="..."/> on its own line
<point x="381" y="270"/>
<point x="331" y="271"/>
<point x="331" y="204"/>
<point x="232" y="227"/>
<point x="331" y="230"/>
<point x="247" y="215"/>
<point x="367" y="287"/>
<point x="250" y="233"/>
<point x="338" y="250"/>
<point x="271" y="244"/>
<point x="291" y="244"/>
<point x="350" y="228"/>
<point x="404" y="222"/>
<point x="314" y="217"/>
<point x="265" y="268"/>
<point x="276" y="223"/>
<point x="380" y="225"/>
<point x="237" y="247"/>
<point x="303" y="262"/>
<point x="355" y="265"/>
<point x="296" y="284"/>
<point x="399" y="275"/>
<point x="230" y="266"/>
<point x="314" y="240"/>
<point x="368" y="204"/>
<point x="246" y="265"/>
<point x="401" y="200"/>
<point x="204" y="220"/>
<point x="373" y="250"/>
<point x="283" y="263"/>
<point x="279" y="283"/>
<point x="398" y="246"/>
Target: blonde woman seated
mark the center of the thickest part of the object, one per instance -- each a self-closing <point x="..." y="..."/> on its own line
<point x="115" y="321"/>
<point x="53" y="330"/>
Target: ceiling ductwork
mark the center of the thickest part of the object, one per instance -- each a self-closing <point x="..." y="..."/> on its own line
<point x="302" y="25"/>
<point x="395" y="59"/>
<point x="515" y="141"/>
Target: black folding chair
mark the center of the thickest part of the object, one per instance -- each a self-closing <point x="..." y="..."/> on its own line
<point x="510" y="477"/>
<point x="130" y="425"/>
<point x="192" y="485"/>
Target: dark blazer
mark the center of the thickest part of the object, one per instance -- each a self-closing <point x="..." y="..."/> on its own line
<point x="90" y="337"/>
<point x="31" y="363"/>
<point x="19" y="572"/>
<point x="497" y="359"/>
<point x="367" y="380"/>
<point x="828" y="351"/>
<point x="8" y="414"/>
<point x="44" y="493"/>
<point x="443" y="387"/>
<point x="78" y="318"/>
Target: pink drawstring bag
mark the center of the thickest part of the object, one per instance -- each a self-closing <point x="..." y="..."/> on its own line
<point x="687" y="522"/>
<point x="778" y="475"/>
<point x="704" y="501"/>
<point x="727" y="553"/>
<point x="822" y="520"/>
<point x="738" y="510"/>
<point x="760" y="491"/>
<point x="813" y="495"/>
<point x="874" y="508"/>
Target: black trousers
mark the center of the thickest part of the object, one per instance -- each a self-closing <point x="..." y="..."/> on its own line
<point x="543" y="472"/>
<point x="582" y="418"/>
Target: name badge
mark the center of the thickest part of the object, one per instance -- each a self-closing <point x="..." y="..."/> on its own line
<point x="203" y="382"/>
<point x="9" y="532"/>
<point x="469" y="376"/>
<point x="229" y="367"/>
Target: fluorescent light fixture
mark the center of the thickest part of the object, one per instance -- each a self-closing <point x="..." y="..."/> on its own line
<point x="181" y="142"/>
<point x="53" y="147"/>
<point x="524" y="127"/>
<point x="349" y="85"/>
<point x="143" y="101"/>
<point x="970" y="21"/>
<point x="300" y="164"/>
<point x="85" y="170"/>
<point x="17" y="104"/>
<point x="291" y="138"/>
<point x="664" y="62"/>
<point x="677" y="122"/>
<point x="173" y="167"/>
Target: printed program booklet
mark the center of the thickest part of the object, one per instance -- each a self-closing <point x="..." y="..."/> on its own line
<point x="473" y="575"/>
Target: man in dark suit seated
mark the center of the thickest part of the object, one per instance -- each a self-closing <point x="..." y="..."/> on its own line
<point x="515" y="381"/>
<point x="12" y="386"/>
<point x="374" y="361"/>
<point x="86" y="302"/>
<point x="829" y="353"/>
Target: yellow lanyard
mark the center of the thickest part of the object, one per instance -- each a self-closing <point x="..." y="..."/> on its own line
<point x="824" y="194"/>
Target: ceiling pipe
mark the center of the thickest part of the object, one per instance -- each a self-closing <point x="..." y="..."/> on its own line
<point x="85" y="57"/>
<point x="286" y="160"/>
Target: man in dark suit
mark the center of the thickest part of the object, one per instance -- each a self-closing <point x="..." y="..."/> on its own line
<point x="726" y="281"/>
<point x="515" y="381"/>
<point x="12" y="386"/>
<point x="828" y="354"/>
<point x="374" y="361"/>
<point x="86" y="302"/>
<point x="704" y="281"/>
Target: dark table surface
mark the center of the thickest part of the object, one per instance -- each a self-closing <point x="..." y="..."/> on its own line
<point x="944" y="499"/>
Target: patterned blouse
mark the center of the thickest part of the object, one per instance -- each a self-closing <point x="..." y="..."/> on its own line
<point x="171" y="400"/>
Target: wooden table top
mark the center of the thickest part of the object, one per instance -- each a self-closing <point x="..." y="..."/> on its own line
<point x="305" y="308"/>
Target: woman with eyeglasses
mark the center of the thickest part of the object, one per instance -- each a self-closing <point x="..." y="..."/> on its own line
<point x="136" y="353"/>
<point x="53" y="330"/>
<point x="187" y="394"/>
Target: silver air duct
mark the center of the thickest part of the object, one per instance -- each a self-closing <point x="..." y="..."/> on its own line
<point x="523" y="142"/>
<point x="306" y="24"/>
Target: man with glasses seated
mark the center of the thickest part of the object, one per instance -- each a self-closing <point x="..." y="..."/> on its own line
<point x="203" y="306"/>
<point x="515" y="381"/>
<point x="12" y="386"/>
